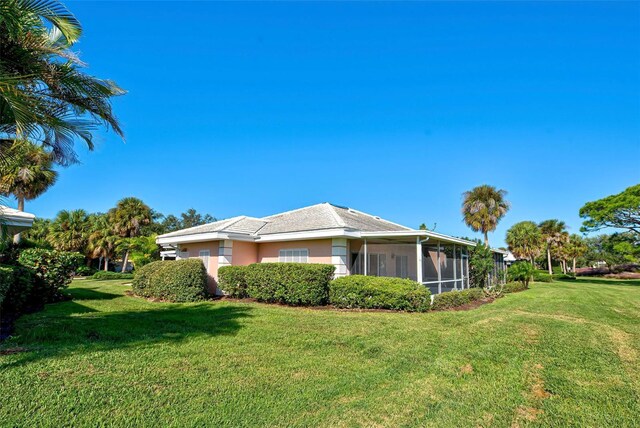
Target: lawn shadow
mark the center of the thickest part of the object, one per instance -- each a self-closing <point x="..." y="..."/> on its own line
<point x="92" y="293"/>
<point x="604" y="281"/>
<point x="73" y="329"/>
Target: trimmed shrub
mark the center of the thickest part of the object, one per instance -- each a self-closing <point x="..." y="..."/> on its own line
<point x="6" y="281"/>
<point x="542" y="277"/>
<point x="53" y="270"/>
<point x="232" y="280"/>
<point x="453" y="299"/>
<point x="513" y="287"/>
<point x="564" y="277"/>
<point x="521" y="272"/>
<point x="174" y="281"/>
<point x="85" y="271"/>
<point x="17" y="284"/>
<point x="375" y="292"/>
<point x="105" y="275"/>
<point x="296" y="284"/>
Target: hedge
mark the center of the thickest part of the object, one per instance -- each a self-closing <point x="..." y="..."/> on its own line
<point x="232" y="280"/>
<point x="452" y="299"/>
<point x="542" y="277"/>
<point x="6" y="281"/>
<point x="296" y="284"/>
<point x="175" y="280"/>
<point x="374" y="292"/>
<point x="105" y="275"/>
<point x="513" y="287"/>
<point x="16" y="289"/>
<point x="564" y="276"/>
<point x="53" y="269"/>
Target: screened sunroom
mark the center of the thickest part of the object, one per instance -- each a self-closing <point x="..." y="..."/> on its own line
<point x="440" y="263"/>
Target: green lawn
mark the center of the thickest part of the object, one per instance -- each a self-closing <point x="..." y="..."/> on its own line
<point x="561" y="354"/>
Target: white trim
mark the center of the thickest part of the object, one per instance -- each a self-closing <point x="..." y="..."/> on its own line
<point x="204" y="237"/>
<point x="313" y="234"/>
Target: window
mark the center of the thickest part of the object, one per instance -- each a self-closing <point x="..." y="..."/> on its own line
<point x="296" y="255"/>
<point x="377" y="265"/>
<point x="204" y="256"/>
<point x="402" y="266"/>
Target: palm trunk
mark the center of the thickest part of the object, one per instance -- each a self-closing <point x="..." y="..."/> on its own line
<point x="486" y="239"/>
<point x="549" y="261"/>
<point x="16" y="238"/>
<point x="125" y="261"/>
<point x="573" y="270"/>
<point x="106" y="263"/>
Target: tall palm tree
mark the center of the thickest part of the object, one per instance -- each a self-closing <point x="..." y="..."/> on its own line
<point x="576" y="247"/>
<point x="483" y="207"/>
<point x="70" y="231"/>
<point x="44" y="94"/>
<point x="554" y="232"/>
<point x="103" y="243"/>
<point x="127" y="219"/>
<point x="525" y="240"/>
<point x="26" y="173"/>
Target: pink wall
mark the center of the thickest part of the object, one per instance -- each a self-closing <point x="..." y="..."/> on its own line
<point x="194" y="251"/>
<point x="244" y="253"/>
<point x="319" y="250"/>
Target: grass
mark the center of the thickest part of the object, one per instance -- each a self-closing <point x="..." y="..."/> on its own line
<point x="560" y="354"/>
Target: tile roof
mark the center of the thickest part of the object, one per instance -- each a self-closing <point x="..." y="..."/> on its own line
<point x="315" y="217"/>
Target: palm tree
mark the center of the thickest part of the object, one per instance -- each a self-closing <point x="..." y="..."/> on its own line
<point x="555" y="235"/>
<point x="44" y="94"/>
<point x="70" y="231"/>
<point x="483" y="207"/>
<point x="127" y="219"/>
<point x="525" y="240"/>
<point x="103" y="244"/>
<point x="576" y="247"/>
<point x="26" y="172"/>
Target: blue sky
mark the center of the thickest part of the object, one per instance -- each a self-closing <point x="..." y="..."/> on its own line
<point x="391" y="108"/>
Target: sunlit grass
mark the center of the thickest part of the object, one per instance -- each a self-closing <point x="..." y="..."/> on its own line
<point x="561" y="354"/>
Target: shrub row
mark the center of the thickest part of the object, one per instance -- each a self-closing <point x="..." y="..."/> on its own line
<point x="175" y="280"/>
<point x="104" y="275"/>
<point x="53" y="271"/>
<point x="372" y="292"/>
<point x="542" y="277"/>
<point x="513" y="287"/>
<point x="452" y="299"/>
<point x="564" y="277"/>
<point x="296" y="284"/>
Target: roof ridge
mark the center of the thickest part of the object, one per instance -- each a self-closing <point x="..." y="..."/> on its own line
<point x="335" y="215"/>
<point x="378" y="218"/>
<point x="292" y="211"/>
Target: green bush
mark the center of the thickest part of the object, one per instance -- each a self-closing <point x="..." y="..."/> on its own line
<point x="374" y="292"/>
<point x="232" y="281"/>
<point x="16" y="286"/>
<point x="175" y="281"/>
<point x="542" y="277"/>
<point x="53" y="270"/>
<point x="85" y="271"/>
<point x="297" y="284"/>
<point x="514" y="287"/>
<point x="521" y="272"/>
<point x="105" y="275"/>
<point x="564" y="277"/>
<point x="453" y="299"/>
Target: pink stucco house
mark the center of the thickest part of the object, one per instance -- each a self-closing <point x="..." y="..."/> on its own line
<point x="353" y="241"/>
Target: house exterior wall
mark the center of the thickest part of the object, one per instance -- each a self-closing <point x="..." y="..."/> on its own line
<point x="319" y="250"/>
<point x="192" y="250"/>
<point x="244" y="253"/>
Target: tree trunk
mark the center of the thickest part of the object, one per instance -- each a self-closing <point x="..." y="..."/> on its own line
<point x="106" y="263"/>
<point x="486" y="239"/>
<point x="16" y="238"/>
<point x="125" y="261"/>
<point x="573" y="270"/>
<point x="549" y="260"/>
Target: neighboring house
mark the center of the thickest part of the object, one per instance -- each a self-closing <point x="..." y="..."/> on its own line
<point x="13" y="221"/>
<point x="353" y="241"/>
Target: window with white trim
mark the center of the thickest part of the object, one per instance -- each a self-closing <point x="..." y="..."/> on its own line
<point x="294" y="255"/>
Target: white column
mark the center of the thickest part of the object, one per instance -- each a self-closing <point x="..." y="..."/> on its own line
<point x="366" y="256"/>
<point x="339" y="256"/>
<point x="455" y="268"/>
<point x="418" y="260"/>
<point x="439" y="271"/>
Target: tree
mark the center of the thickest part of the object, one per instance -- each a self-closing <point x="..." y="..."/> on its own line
<point x="70" y="231"/>
<point x="576" y="247"/>
<point x="26" y="172"/>
<point x="144" y="250"/>
<point x="44" y="94"/>
<point x="127" y="219"/>
<point x="39" y="232"/>
<point x="192" y="218"/>
<point x="555" y="235"/>
<point x="171" y="223"/>
<point x="525" y="240"/>
<point x="620" y="211"/>
<point x="483" y="207"/>
<point x="481" y="264"/>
